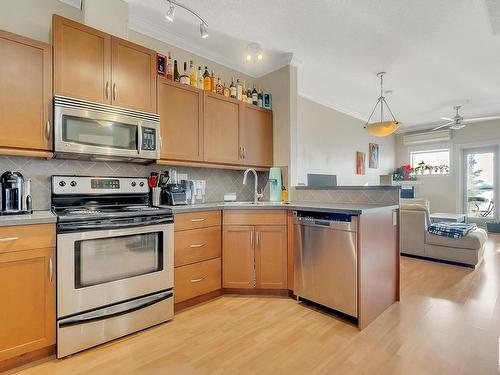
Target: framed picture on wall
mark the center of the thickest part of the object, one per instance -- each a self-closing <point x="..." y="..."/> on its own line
<point x="373" y="155"/>
<point x="360" y="162"/>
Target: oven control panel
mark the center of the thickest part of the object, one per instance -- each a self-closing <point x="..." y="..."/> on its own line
<point x="66" y="185"/>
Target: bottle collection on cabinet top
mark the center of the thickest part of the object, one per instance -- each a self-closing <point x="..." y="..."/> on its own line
<point x="206" y="80"/>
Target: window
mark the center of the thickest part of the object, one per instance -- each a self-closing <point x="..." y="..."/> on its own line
<point x="435" y="161"/>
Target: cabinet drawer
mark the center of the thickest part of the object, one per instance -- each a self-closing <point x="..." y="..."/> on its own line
<point x="195" y="220"/>
<point x="197" y="279"/>
<point x="25" y="237"/>
<point x="255" y="217"/>
<point x="195" y="245"/>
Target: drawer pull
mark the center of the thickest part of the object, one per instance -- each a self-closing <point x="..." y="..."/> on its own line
<point x="197" y="220"/>
<point x="197" y="245"/>
<point x="198" y="279"/>
<point x="8" y="239"/>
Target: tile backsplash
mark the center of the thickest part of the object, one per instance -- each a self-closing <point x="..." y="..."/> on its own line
<point x="361" y="196"/>
<point x="218" y="181"/>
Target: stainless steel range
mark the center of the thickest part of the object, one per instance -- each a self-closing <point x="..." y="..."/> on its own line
<point x="114" y="260"/>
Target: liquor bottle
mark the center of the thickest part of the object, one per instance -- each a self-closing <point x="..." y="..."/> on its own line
<point x="249" y="95"/>
<point x="255" y="96"/>
<point x="206" y="80"/>
<point x="170" y="73"/>
<point x="226" y="91"/>
<point x="260" y="101"/>
<point x="176" y="72"/>
<point x="200" y="78"/>
<point x="193" y="76"/>
<point x="213" y="82"/>
<point x="184" y="78"/>
<point x="232" y="89"/>
<point x="220" y="88"/>
<point x="239" y="90"/>
<point x="244" y="92"/>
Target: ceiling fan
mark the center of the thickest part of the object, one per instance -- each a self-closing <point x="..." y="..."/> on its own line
<point x="459" y="122"/>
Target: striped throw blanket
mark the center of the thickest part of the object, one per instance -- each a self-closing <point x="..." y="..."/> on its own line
<point x="451" y="230"/>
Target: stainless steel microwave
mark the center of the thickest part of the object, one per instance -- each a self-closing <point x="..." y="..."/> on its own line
<point x="94" y="131"/>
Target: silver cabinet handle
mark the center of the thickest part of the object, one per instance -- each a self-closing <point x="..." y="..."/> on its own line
<point x="198" y="245"/>
<point x="251" y="238"/>
<point x="257" y="238"/>
<point x="197" y="220"/>
<point x="8" y="239"/>
<point x="241" y="152"/>
<point x="244" y="152"/>
<point x="51" y="269"/>
<point x="114" y="91"/>
<point x="198" y="279"/>
<point x="47" y="129"/>
<point x="107" y="89"/>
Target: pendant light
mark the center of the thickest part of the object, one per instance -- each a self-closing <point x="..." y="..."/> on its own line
<point x="382" y="128"/>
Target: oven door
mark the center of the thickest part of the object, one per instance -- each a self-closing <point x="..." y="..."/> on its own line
<point x="103" y="267"/>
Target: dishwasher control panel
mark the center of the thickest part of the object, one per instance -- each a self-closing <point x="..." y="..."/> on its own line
<point x="326" y="219"/>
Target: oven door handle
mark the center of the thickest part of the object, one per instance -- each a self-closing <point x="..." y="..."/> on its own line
<point x="76" y="227"/>
<point x="114" y="311"/>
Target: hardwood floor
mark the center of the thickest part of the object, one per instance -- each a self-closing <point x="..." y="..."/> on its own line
<point x="448" y="322"/>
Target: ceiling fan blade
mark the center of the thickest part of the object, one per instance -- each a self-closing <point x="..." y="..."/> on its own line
<point x="479" y="119"/>
<point x="446" y="118"/>
<point x="442" y="126"/>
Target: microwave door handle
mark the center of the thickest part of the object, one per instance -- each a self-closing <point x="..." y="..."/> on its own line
<point x="139" y="138"/>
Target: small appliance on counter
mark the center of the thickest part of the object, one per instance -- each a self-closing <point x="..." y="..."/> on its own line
<point x="275" y="184"/>
<point x="173" y="195"/>
<point x="16" y="194"/>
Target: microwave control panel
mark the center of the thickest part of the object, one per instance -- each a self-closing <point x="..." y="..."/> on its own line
<point x="148" y="139"/>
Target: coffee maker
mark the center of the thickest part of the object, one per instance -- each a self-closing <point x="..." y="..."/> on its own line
<point x="16" y="194"/>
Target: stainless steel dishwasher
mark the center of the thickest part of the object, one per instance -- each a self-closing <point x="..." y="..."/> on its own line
<point x="326" y="258"/>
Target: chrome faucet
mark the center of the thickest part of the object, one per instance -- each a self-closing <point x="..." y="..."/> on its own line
<point x="256" y="194"/>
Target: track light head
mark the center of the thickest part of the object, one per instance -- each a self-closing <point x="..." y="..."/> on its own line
<point x="170" y="12"/>
<point x="203" y="30"/>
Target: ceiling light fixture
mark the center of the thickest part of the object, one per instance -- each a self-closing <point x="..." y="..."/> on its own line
<point x="254" y="51"/>
<point x="169" y="15"/>
<point x="382" y="128"/>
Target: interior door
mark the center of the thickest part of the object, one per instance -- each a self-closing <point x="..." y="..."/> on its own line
<point x="480" y="185"/>
<point x="221" y="142"/>
<point x="181" y="115"/>
<point x="256" y="136"/>
<point x="134" y="76"/>
<point x="238" y="257"/>
<point x="26" y="92"/>
<point x="82" y="61"/>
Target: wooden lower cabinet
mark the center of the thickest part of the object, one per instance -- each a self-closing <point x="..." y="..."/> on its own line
<point x="254" y="257"/>
<point x="27" y="315"/>
<point x="197" y="279"/>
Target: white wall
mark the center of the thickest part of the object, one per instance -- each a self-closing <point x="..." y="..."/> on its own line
<point x="327" y="141"/>
<point x="444" y="191"/>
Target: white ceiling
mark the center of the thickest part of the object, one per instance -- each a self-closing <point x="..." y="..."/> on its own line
<point x="437" y="53"/>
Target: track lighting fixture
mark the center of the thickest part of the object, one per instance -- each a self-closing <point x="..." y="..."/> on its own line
<point x="169" y="15"/>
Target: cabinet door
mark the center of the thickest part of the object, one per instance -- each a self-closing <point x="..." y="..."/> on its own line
<point x="181" y="115"/>
<point x="26" y="91"/>
<point x="271" y="257"/>
<point x="82" y="61"/>
<point x="256" y="136"/>
<point x="238" y="257"/>
<point x="133" y="75"/>
<point x="221" y="130"/>
<point x="27" y="316"/>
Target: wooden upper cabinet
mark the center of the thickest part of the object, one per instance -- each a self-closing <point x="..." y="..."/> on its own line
<point x="221" y="121"/>
<point x="181" y="115"/>
<point x="271" y="257"/>
<point x="256" y="136"/>
<point x="238" y="257"/>
<point x="25" y="92"/>
<point x="27" y="317"/>
<point x="133" y="76"/>
<point x="82" y="61"/>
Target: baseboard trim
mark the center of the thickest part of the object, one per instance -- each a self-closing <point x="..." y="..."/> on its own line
<point x="257" y="292"/>
<point x="440" y="260"/>
<point x="27" y="360"/>
<point x="197" y="300"/>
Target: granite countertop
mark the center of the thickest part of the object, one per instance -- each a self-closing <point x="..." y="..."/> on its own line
<point x="348" y="208"/>
<point x="37" y="217"/>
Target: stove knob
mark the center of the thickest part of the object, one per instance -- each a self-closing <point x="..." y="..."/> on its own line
<point x="73" y="183"/>
<point x="141" y="184"/>
<point x="133" y="184"/>
<point x="62" y="183"/>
